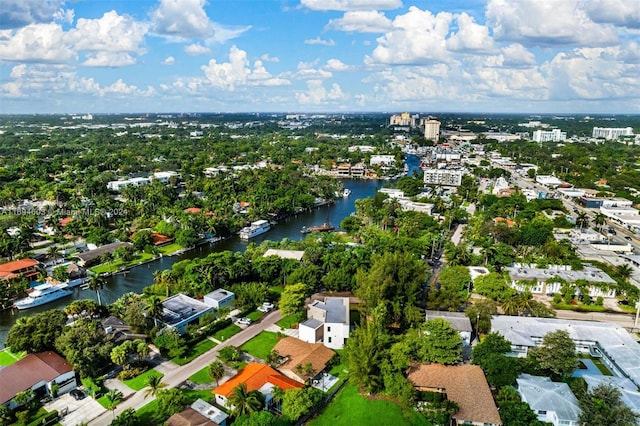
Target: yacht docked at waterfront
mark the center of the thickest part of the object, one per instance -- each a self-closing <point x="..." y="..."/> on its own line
<point x="256" y="228"/>
<point x="44" y="293"/>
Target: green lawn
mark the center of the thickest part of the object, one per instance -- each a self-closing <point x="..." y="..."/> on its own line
<point x="350" y="408"/>
<point x="170" y="248"/>
<point x="140" y="381"/>
<point x="261" y="345"/>
<point x="201" y="376"/>
<point x="119" y="263"/>
<point x="339" y="370"/>
<point x="578" y="308"/>
<point x="289" y="321"/>
<point x="603" y="368"/>
<point x="227" y="332"/>
<point x="7" y="357"/>
<point x="255" y="315"/>
<point x="193" y="353"/>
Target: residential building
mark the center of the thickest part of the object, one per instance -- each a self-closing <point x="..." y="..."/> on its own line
<point x="361" y="148"/>
<point x="457" y="320"/>
<point x="295" y="354"/>
<point x="164" y="177"/>
<point x="92" y="256"/>
<point x="630" y="395"/>
<point x="39" y="372"/>
<point x="555" y="135"/>
<point x="258" y="377"/>
<point x="609" y="133"/>
<point x="117" y="185"/>
<point x="552" y="402"/>
<point x="432" y="130"/>
<point x="181" y="310"/>
<point x="327" y="322"/>
<point x="443" y="177"/>
<point x="465" y="385"/>
<point x="628" y="217"/>
<point x="119" y="330"/>
<point x="200" y="413"/>
<point x="219" y="298"/>
<point x="612" y="344"/>
<point x="404" y="119"/>
<point x="285" y="254"/>
<point x="383" y="161"/>
<point x="26" y="268"/>
<point x="549" y="280"/>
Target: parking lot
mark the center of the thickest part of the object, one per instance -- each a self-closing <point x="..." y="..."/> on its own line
<point x="78" y="411"/>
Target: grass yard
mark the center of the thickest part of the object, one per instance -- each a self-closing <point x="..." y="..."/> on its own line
<point x="227" y="332"/>
<point x="603" y="368"/>
<point x="194" y="352"/>
<point x="350" y="408"/>
<point x="7" y="357"/>
<point x="140" y="381"/>
<point x="170" y="248"/>
<point x="255" y="315"/>
<point x="119" y="263"/>
<point x="578" y="308"/>
<point x="261" y="345"/>
<point x="201" y="376"/>
<point x="339" y="370"/>
<point x="289" y="321"/>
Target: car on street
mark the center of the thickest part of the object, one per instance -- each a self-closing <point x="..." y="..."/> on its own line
<point x="266" y="307"/>
<point x="627" y="238"/>
<point x="77" y="394"/>
<point x="245" y="321"/>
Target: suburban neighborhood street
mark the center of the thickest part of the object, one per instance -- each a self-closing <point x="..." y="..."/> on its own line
<point x="174" y="375"/>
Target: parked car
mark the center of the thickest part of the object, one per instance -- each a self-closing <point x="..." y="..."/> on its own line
<point x="266" y="307"/>
<point x="627" y="238"/>
<point x="245" y="321"/>
<point x="77" y="394"/>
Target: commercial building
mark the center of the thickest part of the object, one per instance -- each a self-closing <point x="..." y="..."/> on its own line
<point x="443" y="177"/>
<point x="432" y="130"/>
<point x="609" y="133"/>
<point x="555" y="135"/>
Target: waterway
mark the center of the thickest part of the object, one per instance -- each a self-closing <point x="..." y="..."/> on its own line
<point x="139" y="277"/>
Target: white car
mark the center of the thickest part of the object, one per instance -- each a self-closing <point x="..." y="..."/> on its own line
<point x="245" y="321"/>
<point x="266" y="307"/>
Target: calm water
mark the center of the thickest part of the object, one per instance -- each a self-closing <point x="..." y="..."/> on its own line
<point x="138" y="278"/>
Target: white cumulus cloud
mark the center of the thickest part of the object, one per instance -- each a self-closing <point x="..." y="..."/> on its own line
<point x="347" y="5"/>
<point x="317" y="94"/>
<point x="196" y="49"/>
<point x="369" y="21"/>
<point x="169" y="60"/>
<point x="320" y="41"/>
<point x="471" y="37"/>
<point x="20" y="13"/>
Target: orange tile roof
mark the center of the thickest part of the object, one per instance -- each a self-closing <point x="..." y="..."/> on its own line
<point x="463" y="384"/>
<point x="509" y="222"/>
<point x="159" y="239"/>
<point x="255" y="376"/>
<point x="192" y="210"/>
<point x="17" y="265"/>
<point x="65" y="221"/>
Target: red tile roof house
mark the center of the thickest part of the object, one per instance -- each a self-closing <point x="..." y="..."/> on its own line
<point x="258" y="377"/>
<point x="27" y="268"/>
<point x="38" y="372"/>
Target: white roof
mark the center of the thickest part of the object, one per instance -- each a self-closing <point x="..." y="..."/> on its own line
<point x="543" y="394"/>
<point x="285" y="254"/>
<point x="630" y="395"/>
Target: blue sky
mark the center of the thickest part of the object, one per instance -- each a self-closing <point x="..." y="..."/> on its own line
<point x="513" y="56"/>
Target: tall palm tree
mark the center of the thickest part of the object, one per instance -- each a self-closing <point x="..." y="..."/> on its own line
<point x="154" y="308"/>
<point x="216" y="371"/>
<point x="154" y="384"/>
<point x="113" y="396"/>
<point x="52" y="253"/>
<point x="277" y="396"/>
<point x="95" y="284"/>
<point x="600" y="219"/>
<point x="582" y="220"/>
<point x="510" y="306"/>
<point x="245" y="402"/>
<point x="624" y="271"/>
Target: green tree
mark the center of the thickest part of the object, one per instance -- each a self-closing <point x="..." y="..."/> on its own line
<point x="292" y="299"/>
<point x="441" y="343"/>
<point x="85" y="346"/>
<point x="480" y="314"/>
<point x="119" y="355"/>
<point x="23" y="397"/>
<point x="95" y="284"/>
<point x="259" y="418"/>
<point x="6" y="415"/>
<point x="126" y="418"/>
<point x="493" y="286"/>
<point x="154" y="385"/>
<point x="141" y="239"/>
<point x="216" y="371"/>
<point x="297" y="402"/>
<point x="245" y="402"/>
<point x="603" y="406"/>
<point x="490" y="355"/>
<point x="557" y="354"/>
<point x="114" y="396"/>
<point x="452" y="289"/>
<point x="154" y="308"/>
<point x="513" y="411"/>
<point x="170" y="401"/>
<point x="37" y="333"/>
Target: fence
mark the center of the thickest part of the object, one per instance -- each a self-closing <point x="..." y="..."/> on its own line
<point x="323" y="402"/>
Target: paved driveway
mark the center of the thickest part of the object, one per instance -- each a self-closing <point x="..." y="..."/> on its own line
<point x="80" y="411"/>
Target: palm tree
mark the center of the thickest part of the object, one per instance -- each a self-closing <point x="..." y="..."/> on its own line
<point x="154" y="308"/>
<point x="216" y="371"/>
<point x="510" y="306"/>
<point x="113" y="396"/>
<point x="52" y="253"/>
<point x="582" y="220"/>
<point x="245" y="402"/>
<point x="154" y="383"/>
<point x="624" y="271"/>
<point x="277" y="396"/>
<point x="600" y="219"/>
<point x="95" y="284"/>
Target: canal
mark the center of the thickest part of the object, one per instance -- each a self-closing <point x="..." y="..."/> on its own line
<point x="139" y="277"/>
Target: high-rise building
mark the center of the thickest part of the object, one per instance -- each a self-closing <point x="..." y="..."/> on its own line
<point x="432" y="130"/>
<point x="612" y="132"/>
<point x="555" y="135"/>
<point x="405" y="120"/>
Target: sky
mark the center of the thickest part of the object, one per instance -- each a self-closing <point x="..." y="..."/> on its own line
<point x="491" y="56"/>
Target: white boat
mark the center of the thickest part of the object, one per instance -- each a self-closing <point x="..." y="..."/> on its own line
<point x="42" y="294"/>
<point x="256" y="228"/>
<point x="346" y="192"/>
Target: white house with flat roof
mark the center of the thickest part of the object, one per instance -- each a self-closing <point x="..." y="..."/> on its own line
<point x="219" y="298"/>
<point x="549" y="181"/>
<point x="552" y="402"/>
<point x="180" y="310"/>
<point x="327" y="322"/>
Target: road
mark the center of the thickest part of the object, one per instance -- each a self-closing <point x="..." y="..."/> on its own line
<point x="175" y="375"/>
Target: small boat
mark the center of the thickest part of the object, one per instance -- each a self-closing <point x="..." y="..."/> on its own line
<point x="346" y="193"/>
<point x="325" y="227"/>
<point x="42" y="294"/>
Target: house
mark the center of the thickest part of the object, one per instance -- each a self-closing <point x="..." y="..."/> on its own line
<point x="630" y="395"/>
<point x="160" y="240"/>
<point x="200" y="413"/>
<point x="457" y="320"/>
<point x="119" y="330"/>
<point x="463" y="384"/>
<point x="219" y="298"/>
<point x="612" y="344"/>
<point x="285" y="254"/>
<point x="294" y="352"/>
<point x="547" y="281"/>
<point x="181" y="310"/>
<point x="258" y="377"/>
<point x="41" y="372"/>
<point x="93" y="256"/>
<point x="327" y="322"/>
<point x="27" y="268"/>
<point x="552" y="402"/>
